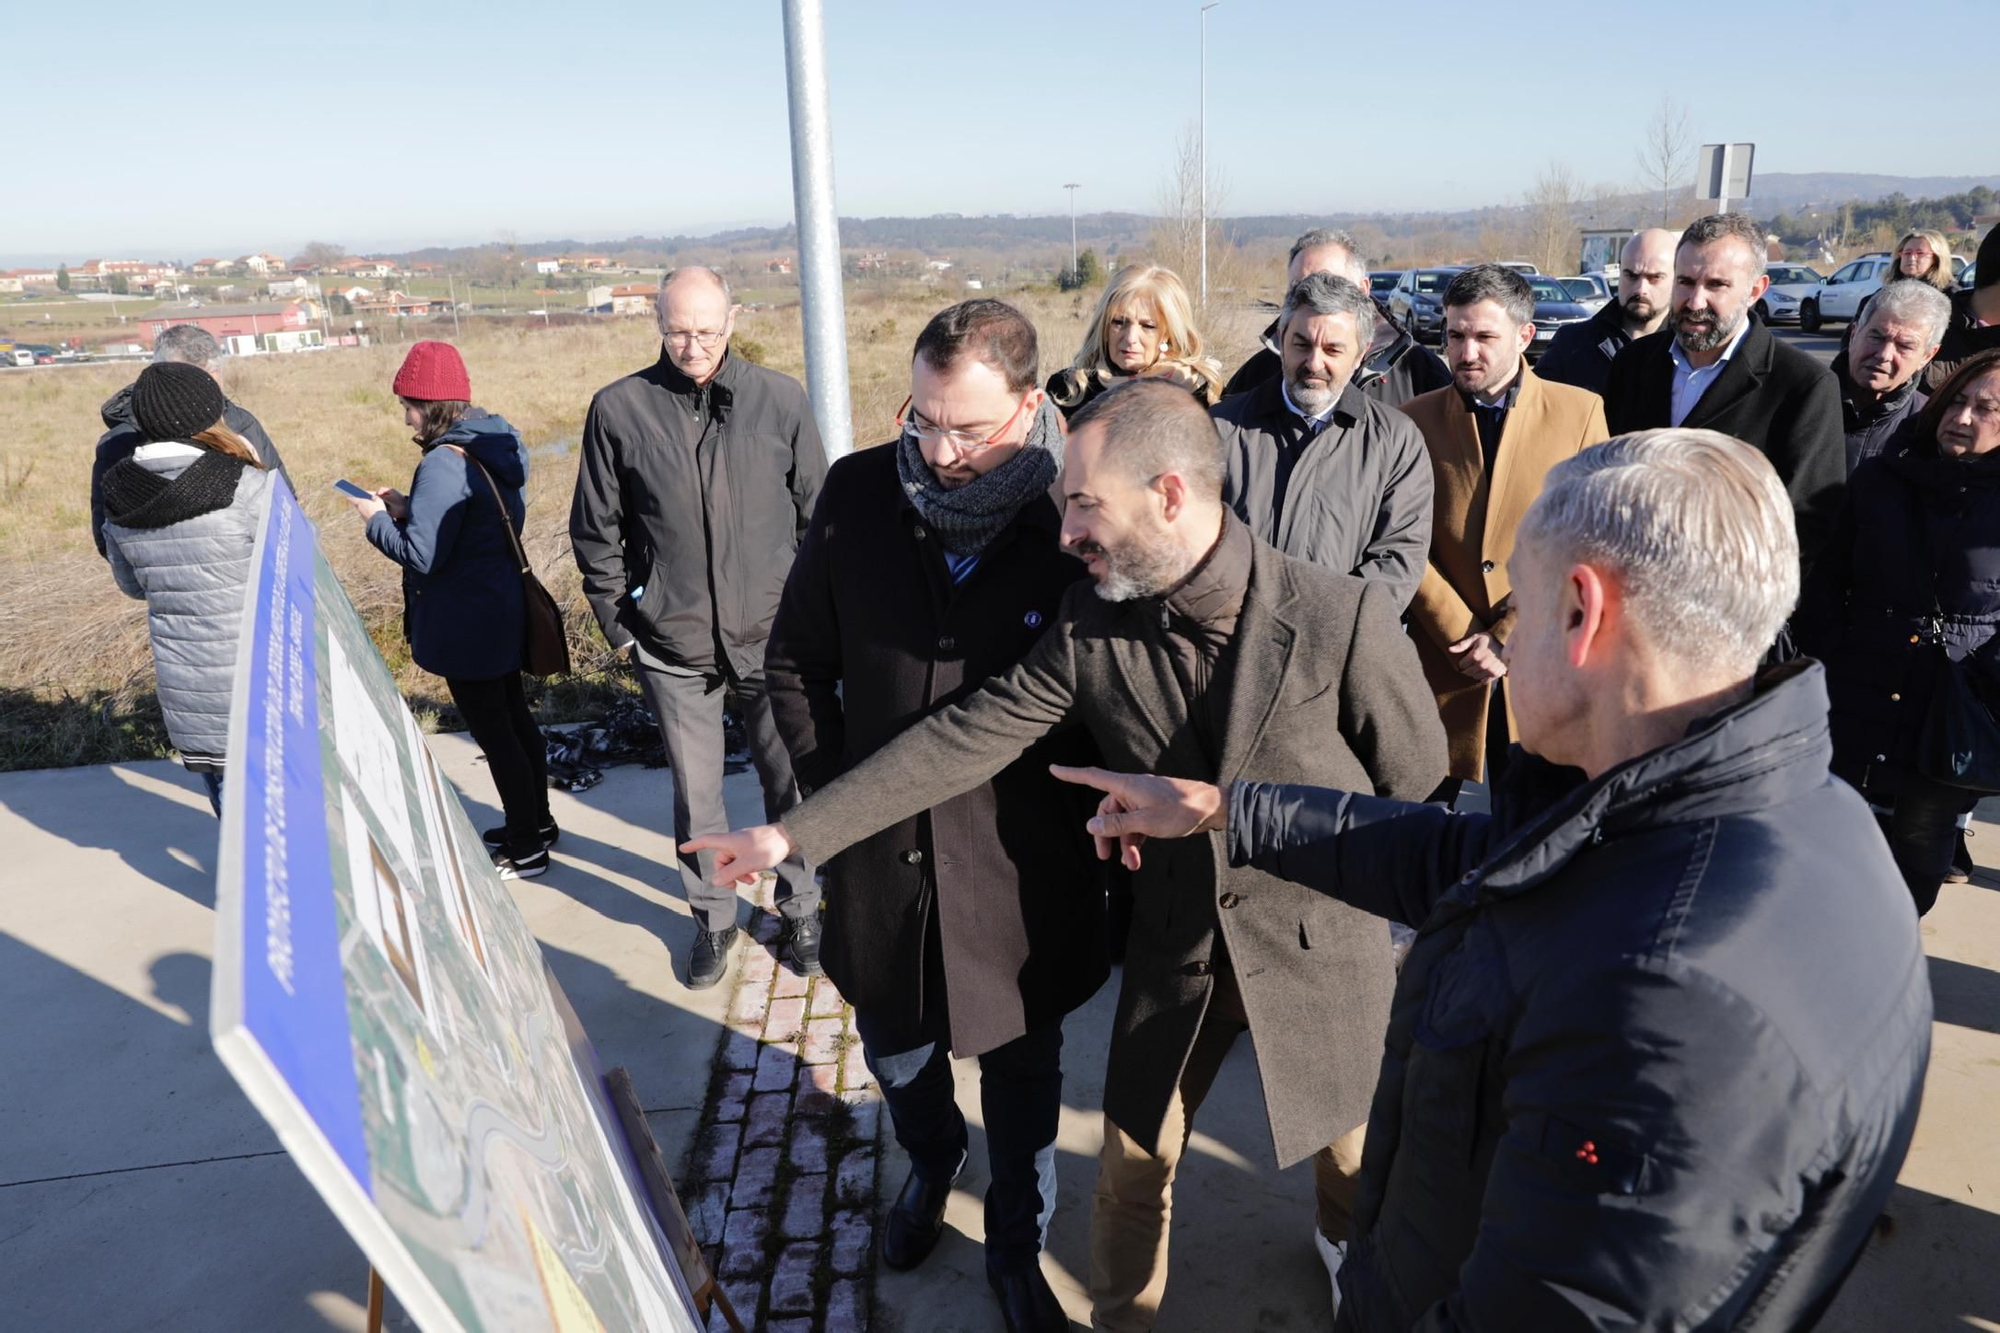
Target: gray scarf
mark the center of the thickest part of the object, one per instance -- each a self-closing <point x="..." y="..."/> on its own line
<point x="966" y="520"/>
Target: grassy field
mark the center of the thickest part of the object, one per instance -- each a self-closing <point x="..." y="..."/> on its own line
<point x="75" y="668"/>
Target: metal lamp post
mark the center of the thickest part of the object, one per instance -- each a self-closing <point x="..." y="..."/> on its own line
<point x="1072" y="187"/>
<point x="824" y="307"/>
<point x="1201" y="151"/>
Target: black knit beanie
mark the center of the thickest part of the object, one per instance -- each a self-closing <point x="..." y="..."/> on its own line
<point x="1988" y="260"/>
<point x="176" y="401"/>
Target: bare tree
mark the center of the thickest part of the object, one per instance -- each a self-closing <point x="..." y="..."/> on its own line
<point x="319" y="255"/>
<point x="1176" y="236"/>
<point x="1552" y="232"/>
<point x="1666" y="162"/>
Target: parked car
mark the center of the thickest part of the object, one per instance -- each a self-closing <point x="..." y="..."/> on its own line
<point x="1554" y="307"/>
<point x="1417" y="300"/>
<point x="1380" y="284"/>
<point x="1789" y="285"/>
<point x="1967" y="275"/>
<point x="37" y="354"/>
<point x="1518" y="265"/>
<point x="20" y="356"/>
<point x="1840" y="296"/>
<point x="1588" y="290"/>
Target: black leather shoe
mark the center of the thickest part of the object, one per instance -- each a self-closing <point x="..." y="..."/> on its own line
<point x="710" y="958"/>
<point x="798" y="947"/>
<point x="917" y="1218"/>
<point x="1027" y="1302"/>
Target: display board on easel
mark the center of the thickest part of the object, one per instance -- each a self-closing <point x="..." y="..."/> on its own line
<point x="383" y="1004"/>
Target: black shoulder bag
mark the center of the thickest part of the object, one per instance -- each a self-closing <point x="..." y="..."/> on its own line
<point x="544" y="642"/>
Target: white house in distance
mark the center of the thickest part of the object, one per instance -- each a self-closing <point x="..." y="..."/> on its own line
<point x="542" y="265"/>
<point x="263" y="265"/>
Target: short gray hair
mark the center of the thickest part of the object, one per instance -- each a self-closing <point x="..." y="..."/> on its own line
<point x="667" y="280"/>
<point x="1320" y="236"/>
<point x="1697" y="528"/>
<point x="1741" y="226"/>
<point x="189" y="343"/>
<point x="1914" y="301"/>
<point x="1331" y="294"/>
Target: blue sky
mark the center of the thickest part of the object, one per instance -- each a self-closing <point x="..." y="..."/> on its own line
<point x="228" y="126"/>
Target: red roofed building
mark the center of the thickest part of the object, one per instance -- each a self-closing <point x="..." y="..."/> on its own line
<point x="225" y="320"/>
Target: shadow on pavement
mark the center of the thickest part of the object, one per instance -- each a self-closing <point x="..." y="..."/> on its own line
<point x="1929" y="1265"/>
<point x="1965" y="995"/>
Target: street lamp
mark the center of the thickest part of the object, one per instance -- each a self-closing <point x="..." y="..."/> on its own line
<point x="1072" y="187"/>
<point x="1201" y="151"/>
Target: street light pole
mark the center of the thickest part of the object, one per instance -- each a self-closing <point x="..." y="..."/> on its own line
<point x="1072" y="188"/>
<point x="822" y="304"/>
<point x="1201" y="151"/>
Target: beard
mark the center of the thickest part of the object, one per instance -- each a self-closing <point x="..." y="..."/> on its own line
<point x="1313" y="397"/>
<point x="1705" y="332"/>
<point x="1639" y="309"/>
<point x="1143" y="565"/>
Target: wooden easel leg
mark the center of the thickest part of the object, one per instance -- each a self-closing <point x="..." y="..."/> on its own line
<point x="374" y="1301"/>
<point x="721" y="1297"/>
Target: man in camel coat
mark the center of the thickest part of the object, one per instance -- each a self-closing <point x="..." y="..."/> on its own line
<point x="1492" y="434"/>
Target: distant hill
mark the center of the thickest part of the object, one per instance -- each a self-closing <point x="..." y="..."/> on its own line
<point x="1787" y="190"/>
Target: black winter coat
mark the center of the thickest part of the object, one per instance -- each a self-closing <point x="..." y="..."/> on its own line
<point x="873" y="635"/>
<point x="463" y="611"/>
<point x="1770" y="395"/>
<point x="1871" y="424"/>
<point x="1581" y="354"/>
<point x="1914" y="526"/>
<point x="697" y="495"/>
<point x="1656" y="1054"/>
<point x="1964" y="339"/>
<point x="1391" y="375"/>
<point x="122" y="436"/>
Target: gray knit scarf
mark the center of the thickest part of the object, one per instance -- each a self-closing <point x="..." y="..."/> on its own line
<point x="966" y="520"/>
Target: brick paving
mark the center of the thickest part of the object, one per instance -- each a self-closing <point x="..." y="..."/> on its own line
<point x="780" y="1185"/>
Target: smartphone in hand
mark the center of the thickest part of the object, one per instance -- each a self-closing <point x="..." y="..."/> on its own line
<point x="346" y="487"/>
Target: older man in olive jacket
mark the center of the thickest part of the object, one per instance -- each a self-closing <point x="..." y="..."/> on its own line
<point x="1200" y="652"/>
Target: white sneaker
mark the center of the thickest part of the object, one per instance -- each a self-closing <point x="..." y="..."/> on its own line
<point x="1333" y="1256"/>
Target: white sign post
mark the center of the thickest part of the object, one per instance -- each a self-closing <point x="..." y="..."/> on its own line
<point x="1722" y="173"/>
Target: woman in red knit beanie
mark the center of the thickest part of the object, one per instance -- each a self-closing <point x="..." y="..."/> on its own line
<point x="462" y="605"/>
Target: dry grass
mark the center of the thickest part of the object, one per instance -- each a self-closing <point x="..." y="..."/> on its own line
<point x="75" y="668"/>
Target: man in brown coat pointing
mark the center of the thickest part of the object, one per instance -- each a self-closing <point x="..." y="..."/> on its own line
<point x="1199" y="652"/>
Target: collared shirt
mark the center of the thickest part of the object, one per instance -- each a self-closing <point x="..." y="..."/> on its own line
<point x="1490" y="416"/>
<point x="1290" y="449"/>
<point x="1691" y="382"/>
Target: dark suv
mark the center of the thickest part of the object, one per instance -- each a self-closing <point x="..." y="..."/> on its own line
<point x="1417" y="300"/>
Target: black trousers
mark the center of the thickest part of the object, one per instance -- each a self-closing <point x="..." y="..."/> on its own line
<point x="1020" y="1098"/>
<point x="689" y="709"/>
<point x="496" y="713"/>
<point x="1923" y="834"/>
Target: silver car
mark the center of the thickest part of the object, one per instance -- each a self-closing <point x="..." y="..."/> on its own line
<point x="1789" y="285"/>
<point x="1588" y="290"/>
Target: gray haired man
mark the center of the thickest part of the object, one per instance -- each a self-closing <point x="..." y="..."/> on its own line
<point x="1616" y="1092"/>
<point x="195" y="346"/>
<point x="697" y="479"/>
<point x="1396" y="367"/>
<point x="1314" y="467"/>
<point x="1881" y="370"/>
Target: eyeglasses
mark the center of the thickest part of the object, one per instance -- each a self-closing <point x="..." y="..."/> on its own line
<point x="703" y="337"/>
<point x="965" y="442"/>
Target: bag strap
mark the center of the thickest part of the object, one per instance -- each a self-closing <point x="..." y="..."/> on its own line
<point x="506" y="519"/>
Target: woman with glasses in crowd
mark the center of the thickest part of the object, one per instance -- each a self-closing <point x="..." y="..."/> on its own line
<point x="1925" y="256"/>
<point x="1896" y="634"/>
<point x="1143" y="325"/>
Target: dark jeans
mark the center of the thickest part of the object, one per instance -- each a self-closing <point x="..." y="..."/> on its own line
<point x="689" y="708"/>
<point x="1923" y="834"/>
<point x="213" y="782"/>
<point x="496" y="713"/>
<point x="1020" y="1098"/>
<point x="1497" y="743"/>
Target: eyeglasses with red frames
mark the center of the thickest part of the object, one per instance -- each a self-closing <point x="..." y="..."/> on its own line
<point x="965" y="442"/>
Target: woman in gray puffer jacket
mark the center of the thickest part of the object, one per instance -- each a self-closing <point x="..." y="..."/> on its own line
<point x="181" y="518"/>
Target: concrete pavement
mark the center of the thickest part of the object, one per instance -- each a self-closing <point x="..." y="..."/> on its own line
<point x="138" y="1190"/>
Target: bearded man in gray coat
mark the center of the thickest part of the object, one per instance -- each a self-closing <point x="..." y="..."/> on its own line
<point x="1200" y="651"/>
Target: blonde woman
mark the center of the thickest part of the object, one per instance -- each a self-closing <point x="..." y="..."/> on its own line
<point x="1926" y="255"/>
<point x="1143" y="325"/>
